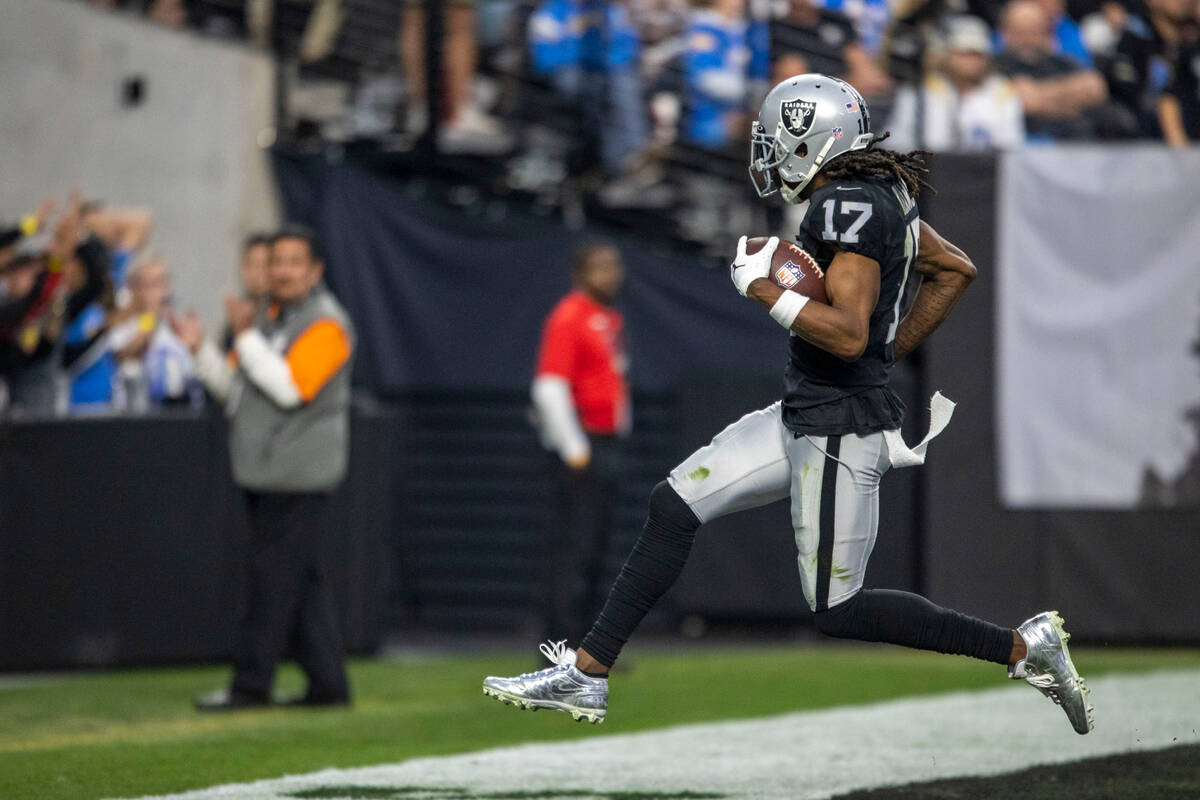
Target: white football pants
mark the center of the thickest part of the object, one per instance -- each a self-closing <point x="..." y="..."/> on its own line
<point x="833" y="482"/>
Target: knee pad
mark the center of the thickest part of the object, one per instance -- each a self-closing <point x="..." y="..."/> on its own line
<point x="669" y="509"/>
<point x="840" y="621"/>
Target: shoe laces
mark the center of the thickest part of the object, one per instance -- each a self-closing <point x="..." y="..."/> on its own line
<point x="558" y="652"/>
<point x="1047" y="685"/>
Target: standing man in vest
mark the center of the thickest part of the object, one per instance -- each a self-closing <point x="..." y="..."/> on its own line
<point x="286" y="385"/>
<point x="582" y="405"/>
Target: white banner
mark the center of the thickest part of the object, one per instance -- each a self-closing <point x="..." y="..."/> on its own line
<point x="1098" y="317"/>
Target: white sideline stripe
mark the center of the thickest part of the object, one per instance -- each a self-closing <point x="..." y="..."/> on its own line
<point x="807" y="755"/>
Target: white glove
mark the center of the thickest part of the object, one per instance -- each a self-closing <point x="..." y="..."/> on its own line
<point x="746" y="268"/>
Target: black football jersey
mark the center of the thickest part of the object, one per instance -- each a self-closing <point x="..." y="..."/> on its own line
<point x="824" y="395"/>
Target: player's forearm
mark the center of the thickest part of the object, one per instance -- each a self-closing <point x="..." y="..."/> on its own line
<point x="830" y="328"/>
<point x="935" y="299"/>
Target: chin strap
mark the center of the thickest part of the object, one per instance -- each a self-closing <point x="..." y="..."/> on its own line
<point x="792" y="195"/>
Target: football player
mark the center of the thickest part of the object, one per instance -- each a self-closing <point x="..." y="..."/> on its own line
<point x="834" y="434"/>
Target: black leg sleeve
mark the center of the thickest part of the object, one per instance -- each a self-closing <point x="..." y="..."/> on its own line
<point x="886" y="615"/>
<point x="655" y="563"/>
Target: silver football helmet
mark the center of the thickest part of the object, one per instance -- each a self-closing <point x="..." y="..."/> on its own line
<point x="802" y="125"/>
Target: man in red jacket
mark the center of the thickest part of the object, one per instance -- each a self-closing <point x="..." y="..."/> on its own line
<point x="581" y="398"/>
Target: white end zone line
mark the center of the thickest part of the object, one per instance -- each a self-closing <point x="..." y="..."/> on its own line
<point x="806" y="755"/>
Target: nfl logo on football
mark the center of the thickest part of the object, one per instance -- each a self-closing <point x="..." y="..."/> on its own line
<point x="789" y="275"/>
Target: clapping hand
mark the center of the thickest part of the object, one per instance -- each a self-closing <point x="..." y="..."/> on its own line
<point x="189" y="329"/>
<point x="240" y="314"/>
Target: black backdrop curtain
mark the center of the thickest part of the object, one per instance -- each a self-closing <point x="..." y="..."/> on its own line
<point x="450" y="300"/>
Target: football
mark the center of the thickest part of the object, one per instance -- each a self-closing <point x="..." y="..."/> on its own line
<point x="793" y="268"/>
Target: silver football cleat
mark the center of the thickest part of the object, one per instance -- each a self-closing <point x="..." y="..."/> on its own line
<point x="561" y="687"/>
<point x="1048" y="668"/>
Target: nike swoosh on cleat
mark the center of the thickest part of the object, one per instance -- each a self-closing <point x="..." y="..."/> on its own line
<point x="568" y="694"/>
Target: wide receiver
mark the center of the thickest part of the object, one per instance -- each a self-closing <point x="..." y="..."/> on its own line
<point x="834" y="434"/>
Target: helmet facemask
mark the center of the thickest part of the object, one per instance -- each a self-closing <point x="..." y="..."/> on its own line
<point x="764" y="161"/>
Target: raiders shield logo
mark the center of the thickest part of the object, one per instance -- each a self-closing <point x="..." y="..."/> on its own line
<point x="797" y="116"/>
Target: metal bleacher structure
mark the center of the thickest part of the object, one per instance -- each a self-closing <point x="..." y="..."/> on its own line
<point x="699" y="197"/>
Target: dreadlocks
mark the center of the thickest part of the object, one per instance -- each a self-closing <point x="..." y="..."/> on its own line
<point x="872" y="162"/>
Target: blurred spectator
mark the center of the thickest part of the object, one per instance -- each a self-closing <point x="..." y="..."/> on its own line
<point x="255" y="268"/>
<point x="1139" y="68"/>
<point x="1068" y="41"/>
<point x="28" y="225"/>
<point x="87" y="359"/>
<point x="55" y="285"/>
<point x="828" y="43"/>
<point x="582" y="407"/>
<point x="914" y="33"/>
<point x="154" y="366"/>
<point x="124" y="231"/>
<point x="724" y="54"/>
<point x="1179" y="105"/>
<point x="288" y="397"/>
<point x="659" y="20"/>
<point x="871" y="19"/>
<point x="661" y="25"/>
<point x="172" y="13"/>
<point x="87" y="356"/>
<point x="468" y="129"/>
<point x="589" y="51"/>
<point x="964" y="105"/>
<point x="1101" y="28"/>
<point x="253" y="271"/>
<point x="1054" y="91"/>
<point x="22" y="282"/>
<point x="320" y="32"/>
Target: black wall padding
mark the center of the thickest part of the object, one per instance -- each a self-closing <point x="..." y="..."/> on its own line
<point x="454" y="301"/>
<point x="124" y="540"/>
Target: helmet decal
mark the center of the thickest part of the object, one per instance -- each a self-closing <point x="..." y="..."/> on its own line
<point x="797" y="116"/>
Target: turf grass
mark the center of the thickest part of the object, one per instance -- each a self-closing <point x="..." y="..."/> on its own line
<point x="133" y="732"/>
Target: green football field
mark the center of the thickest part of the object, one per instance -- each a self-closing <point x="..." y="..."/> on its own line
<point x="77" y="736"/>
